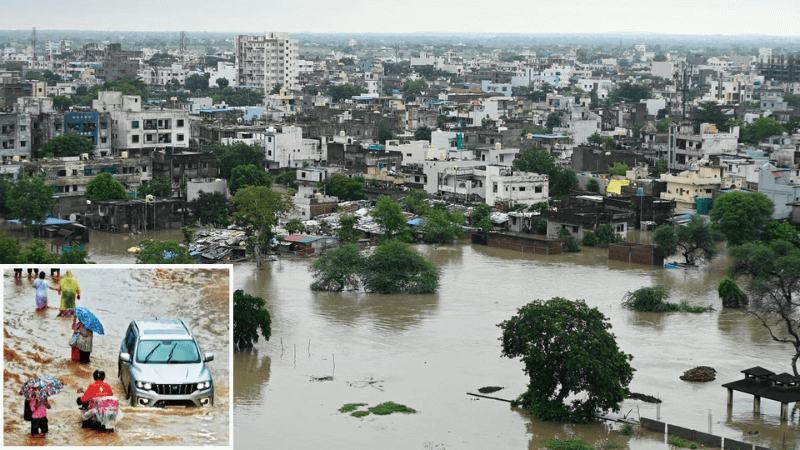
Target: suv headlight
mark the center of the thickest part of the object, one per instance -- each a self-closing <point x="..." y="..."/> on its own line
<point x="143" y="385"/>
<point x="204" y="385"/>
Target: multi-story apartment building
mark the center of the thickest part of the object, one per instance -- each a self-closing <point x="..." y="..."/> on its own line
<point x="266" y="60"/>
<point x="288" y="149"/>
<point x="140" y="131"/>
<point x="783" y="68"/>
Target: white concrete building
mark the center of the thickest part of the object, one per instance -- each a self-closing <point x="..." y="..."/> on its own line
<point x="288" y="149"/>
<point x="140" y="131"/>
<point x="266" y="60"/>
<point x="416" y="152"/>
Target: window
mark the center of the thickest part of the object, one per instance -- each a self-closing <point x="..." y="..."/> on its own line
<point x="135" y="139"/>
<point x="180" y="122"/>
<point x="135" y="124"/>
<point x="23" y="127"/>
<point x="103" y="140"/>
<point x="522" y="188"/>
<point x="144" y="169"/>
<point x="23" y="143"/>
<point x="180" y="138"/>
<point x="303" y="174"/>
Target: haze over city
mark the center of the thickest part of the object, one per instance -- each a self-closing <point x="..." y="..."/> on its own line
<point x="697" y="17"/>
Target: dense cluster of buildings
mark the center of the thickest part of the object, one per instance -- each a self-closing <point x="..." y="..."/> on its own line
<point x="478" y="113"/>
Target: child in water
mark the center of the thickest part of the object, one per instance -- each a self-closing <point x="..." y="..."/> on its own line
<point x="39" y="406"/>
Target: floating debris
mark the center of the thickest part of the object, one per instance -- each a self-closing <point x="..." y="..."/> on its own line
<point x="489" y="389"/>
<point x="325" y="378"/>
<point x="700" y="373"/>
<point x="644" y="397"/>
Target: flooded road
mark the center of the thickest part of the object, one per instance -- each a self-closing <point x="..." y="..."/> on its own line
<point x="36" y="343"/>
<point x="428" y="351"/>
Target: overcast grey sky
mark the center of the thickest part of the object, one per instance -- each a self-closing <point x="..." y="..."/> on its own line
<point x="772" y="17"/>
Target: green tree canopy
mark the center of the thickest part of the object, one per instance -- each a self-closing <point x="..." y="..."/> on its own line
<point x="233" y="96"/>
<point x="344" y="92"/>
<point x="630" y="92"/>
<point x="662" y="126"/>
<point x="395" y="267"/>
<point x="384" y="133"/>
<point x="30" y="200"/>
<point x="222" y="82"/>
<point x="259" y="208"/>
<point x="388" y="214"/>
<point x="696" y="240"/>
<point x="347" y="232"/>
<point x="338" y="269"/>
<point x="441" y="225"/>
<point x="731" y="295"/>
<point x="618" y="169"/>
<point x="568" y="352"/>
<point x="708" y="112"/>
<point x="344" y="187"/>
<point x="248" y="175"/>
<point x="238" y="154"/>
<point x="597" y="139"/>
<point x="127" y="86"/>
<point x="9" y="249"/>
<point x="414" y="200"/>
<point x="287" y="179"/>
<point x="158" y="187"/>
<point x="154" y="251"/>
<point x="742" y="216"/>
<point x="539" y="160"/>
<point x="211" y="208"/>
<point x="592" y="185"/>
<point x="104" y="187"/>
<point x="249" y="317"/>
<point x="774" y="273"/>
<point x="68" y="145"/>
<point x="196" y="82"/>
<point x="553" y="120"/>
<point x="481" y="217"/>
<point x="761" y="129"/>
<point x="422" y="133"/>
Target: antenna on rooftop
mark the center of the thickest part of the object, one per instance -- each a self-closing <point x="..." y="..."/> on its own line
<point x="183" y="43"/>
<point x="33" y="42"/>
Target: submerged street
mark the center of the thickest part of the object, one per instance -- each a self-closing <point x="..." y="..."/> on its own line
<point x="36" y="343"/>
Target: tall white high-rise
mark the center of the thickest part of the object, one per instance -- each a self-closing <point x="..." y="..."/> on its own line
<point x="266" y="60"/>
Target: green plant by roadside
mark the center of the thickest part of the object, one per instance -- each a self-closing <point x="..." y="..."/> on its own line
<point x="677" y="442"/>
<point x="627" y="430"/>
<point x="560" y="444"/>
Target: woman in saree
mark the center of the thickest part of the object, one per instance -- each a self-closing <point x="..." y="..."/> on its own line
<point x="70" y="291"/>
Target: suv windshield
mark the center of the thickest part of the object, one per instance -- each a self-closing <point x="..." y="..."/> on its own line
<point x="163" y="351"/>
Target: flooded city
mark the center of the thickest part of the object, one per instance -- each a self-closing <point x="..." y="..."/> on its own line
<point x="36" y="343"/>
<point x="428" y="351"/>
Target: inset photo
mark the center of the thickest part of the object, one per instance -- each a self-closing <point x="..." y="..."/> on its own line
<point x="107" y="355"/>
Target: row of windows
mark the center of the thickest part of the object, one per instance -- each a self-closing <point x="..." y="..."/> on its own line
<point x="165" y="138"/>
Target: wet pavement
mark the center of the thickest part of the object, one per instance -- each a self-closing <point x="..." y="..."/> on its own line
<point x="36" y="343"/>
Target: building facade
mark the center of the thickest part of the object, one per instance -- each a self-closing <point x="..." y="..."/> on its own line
<point x="266" y="60"/>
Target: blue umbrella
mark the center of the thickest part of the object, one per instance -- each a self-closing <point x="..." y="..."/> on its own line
<point x="89" y="320"/>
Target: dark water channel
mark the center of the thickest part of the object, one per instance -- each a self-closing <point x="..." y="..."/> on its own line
<point x="428" y="351"/>
<point x="36" y="343"/>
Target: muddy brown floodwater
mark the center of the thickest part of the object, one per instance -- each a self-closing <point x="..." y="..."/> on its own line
<point x="36" y="343"/>
<point x="428" y="351"/>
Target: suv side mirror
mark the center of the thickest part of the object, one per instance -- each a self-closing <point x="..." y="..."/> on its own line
<point x="208" y="357"/>
<point x="125" y="357"/>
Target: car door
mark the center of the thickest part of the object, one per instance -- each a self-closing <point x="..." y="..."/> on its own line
<point x="128" y="346"/>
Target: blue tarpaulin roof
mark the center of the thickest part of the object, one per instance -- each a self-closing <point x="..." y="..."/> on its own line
<point x="48" y="221"/>
<point x="416" y="222"/>
<point x="549" y="136"/>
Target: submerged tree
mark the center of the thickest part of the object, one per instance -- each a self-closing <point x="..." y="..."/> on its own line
<point x="695" y="240"/>
<point x="774" y="271"/>
<point x="395" y="267"/>
<point x="568" y="352"/>
<point x="338" y="270"/>
<point x="249" y="316"/>
<point x="730" y="293"/>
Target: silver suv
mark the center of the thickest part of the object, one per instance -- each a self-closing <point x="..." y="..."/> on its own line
<point x="160" y="364"/>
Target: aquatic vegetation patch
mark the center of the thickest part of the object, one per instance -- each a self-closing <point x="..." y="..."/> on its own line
<point x="350" y="407"/>
<point x="560" y="444"/>
<point x="383" y="409"/>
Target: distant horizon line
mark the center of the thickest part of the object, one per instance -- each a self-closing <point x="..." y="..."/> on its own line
<point x="472" y="33"/>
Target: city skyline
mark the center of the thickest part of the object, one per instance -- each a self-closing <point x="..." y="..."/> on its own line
<point x="676" y="17"/>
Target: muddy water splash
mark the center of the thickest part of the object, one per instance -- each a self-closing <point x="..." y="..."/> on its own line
<point x="36" y="343"/>
<point x="428" y="351"/>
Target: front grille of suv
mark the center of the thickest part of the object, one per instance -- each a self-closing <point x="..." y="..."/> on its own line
<point x="174" y="389"/>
